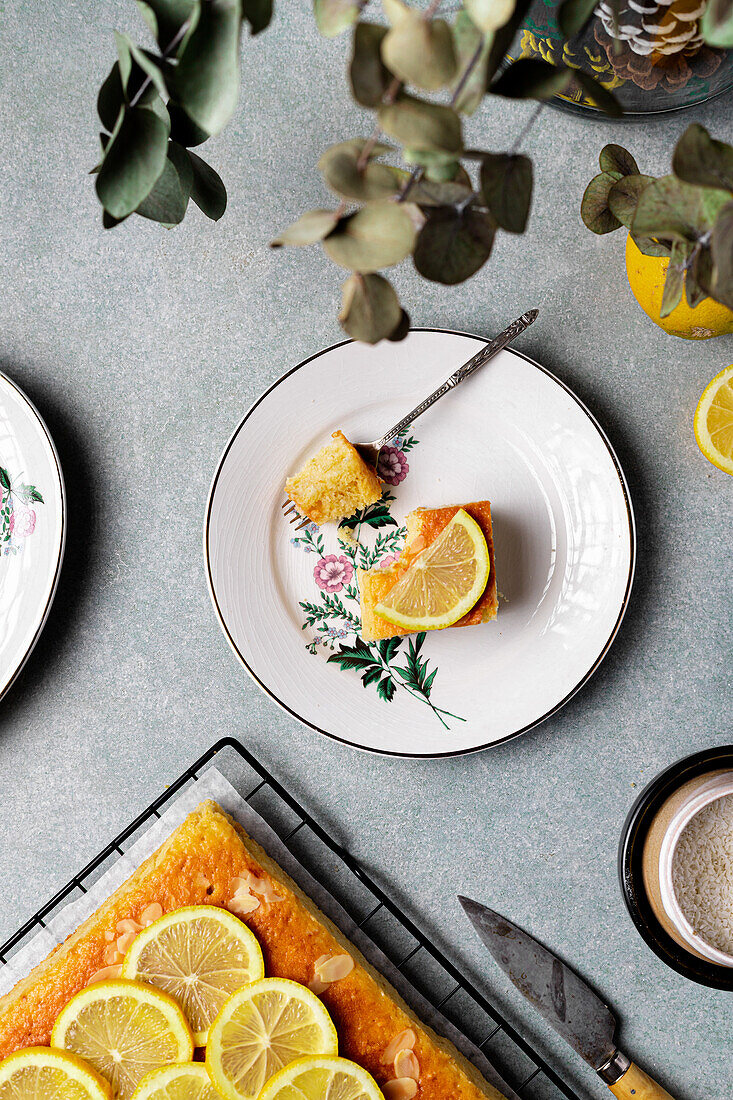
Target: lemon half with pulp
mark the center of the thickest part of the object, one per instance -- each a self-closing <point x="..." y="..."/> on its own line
<point x="444" y="582"/>
<point x="124" y="1029"/>
<point x="262" y="1028"/>
<point x="200" y="955"/>
<point x="714" y="421"/>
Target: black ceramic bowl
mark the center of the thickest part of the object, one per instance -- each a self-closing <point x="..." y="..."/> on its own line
<point x="635" y="831"/>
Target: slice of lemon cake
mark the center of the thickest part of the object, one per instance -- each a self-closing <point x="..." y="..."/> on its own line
<point x="424" y="525"/>
<point x="334" y="483"/>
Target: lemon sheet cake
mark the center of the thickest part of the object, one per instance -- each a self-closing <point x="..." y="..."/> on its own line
<point x="209" y="859"/>
<point x="334" y="483"/>
<point x="423" y="527"/>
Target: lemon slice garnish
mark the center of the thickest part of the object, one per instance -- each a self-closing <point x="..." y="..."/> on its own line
<point x="38" y="1073"/>
<point x="200" y="955"/>
<point x="186" y="1082"/>
<point x="262" y="1028"/>
<point x="124" y="1029"/>
<point x="444" y="582"/>
<point x="330" y="1078"/>
<point x="714" y="421"/>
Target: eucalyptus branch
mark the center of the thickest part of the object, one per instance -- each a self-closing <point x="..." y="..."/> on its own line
<point x="167" y="53"/>
<point x="519" y="141"/>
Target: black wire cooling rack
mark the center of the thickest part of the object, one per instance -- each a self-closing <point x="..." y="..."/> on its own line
<point x="409" y="949"/>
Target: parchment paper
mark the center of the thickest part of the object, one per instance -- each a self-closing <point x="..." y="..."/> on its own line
<point x="212" y="784"/>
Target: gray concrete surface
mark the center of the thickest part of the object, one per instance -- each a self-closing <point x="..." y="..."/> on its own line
<point x="142" y="348"/>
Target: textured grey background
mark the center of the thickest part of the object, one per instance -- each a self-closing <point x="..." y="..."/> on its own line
<point x="142" y="349"/>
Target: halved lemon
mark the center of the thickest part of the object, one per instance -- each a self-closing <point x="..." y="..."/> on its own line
<point x="38" y="1073"/>
<point x="444" y="582"/>
<point x="200" y="955"/>
<point x="124" y="1029"/>
<point x="262" y="1028"/>
<point x="186" y="1082"/>
<point x="714" y="421"/>
<point x="324" y="1078"/>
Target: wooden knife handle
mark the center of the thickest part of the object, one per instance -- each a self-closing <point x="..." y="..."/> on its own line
<point x="637" y="1085"/>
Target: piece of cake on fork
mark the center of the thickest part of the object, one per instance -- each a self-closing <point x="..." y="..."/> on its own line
<point x="334" y="483"/>
<point x="424" y="526"/>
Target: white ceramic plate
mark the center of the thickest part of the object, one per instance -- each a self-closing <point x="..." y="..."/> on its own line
<point x="32" y="528"/>
<point x="563" y="530"/>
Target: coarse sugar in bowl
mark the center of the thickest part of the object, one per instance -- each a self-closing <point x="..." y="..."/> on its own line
<point x="676" y="866"/>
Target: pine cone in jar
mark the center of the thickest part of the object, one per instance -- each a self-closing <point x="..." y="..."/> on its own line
<point x="650" y="68"/>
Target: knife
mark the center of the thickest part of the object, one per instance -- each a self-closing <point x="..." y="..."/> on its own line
<point x="565" y="1000"/>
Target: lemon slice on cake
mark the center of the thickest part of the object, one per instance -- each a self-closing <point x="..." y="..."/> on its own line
<point x="200" y="955"/>
<point x="262" y="1028"/>
<point x="444" y="582"/>
<point x="714" y="421"/>
<point x="38" y="1073"/>
<point x="123" y="1029"/>
<point x="326" y="1078"/>
<point x="186" y="1082"/>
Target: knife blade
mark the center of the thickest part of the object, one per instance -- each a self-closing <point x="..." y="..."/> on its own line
<point x="565" y="1000"/>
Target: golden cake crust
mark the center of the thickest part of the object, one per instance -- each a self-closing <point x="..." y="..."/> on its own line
<point x="423" y="527"/>
<point x="198" y="865"/>
<point x="334" y="483"/>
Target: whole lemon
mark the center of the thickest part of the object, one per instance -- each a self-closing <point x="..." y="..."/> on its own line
<point x="646" y="278"/>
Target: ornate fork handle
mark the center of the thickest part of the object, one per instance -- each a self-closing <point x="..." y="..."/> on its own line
<point x="462" y="373"/>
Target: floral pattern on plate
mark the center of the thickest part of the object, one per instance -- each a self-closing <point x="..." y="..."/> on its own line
<point x="371" y="537"/>
<point x="17" y="512"/>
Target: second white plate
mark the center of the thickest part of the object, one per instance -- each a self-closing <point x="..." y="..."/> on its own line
<point x="563" y="530"/>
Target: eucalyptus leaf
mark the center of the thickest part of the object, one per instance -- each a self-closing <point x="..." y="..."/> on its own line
<point x="504" y="37"/>
<point x="370" y="309"/>
<point x="342" y="171"/>
<point x="490" y="15"/>
<point x="370" y="78"/>
<point x="699" y="159"/>
<point x="207" y="188"/>
<point x="675" y="279"/>
<point x="422" y="125"/>
<point x="403" y="328"/>
<point x="124" y="58"/>
<point x="207" y="75"/>
<point x="668" y="207"/>
<point x="334" y="16"/>
<point x="381" y="234"/>
<point x="418" y="50"/>
<point x="166" y="17"/>
<point x="506" y="184"/>
<point x="133" y="161"/>
<point x="433" y="193"/>
<point x="717" y="24"/>
<point x="310" y="227"/>
<point x="437" y="167"/>
<point x="594" y="208"/>
<point x="258" y="14"/>
<point x="183" y="129"/>
<point x="699" y="276"/>
<point x="453" y="244"/>
<point x="616" y="159"/>
<point x="650" y="247"/>
<point x="722" y="256"/>
<point x="598" y="94"/>
<point x="572" y="16"/>
<point x="169" y="197"/>
<point x="531" y="78"/>
<point x="472" y="48"/>
<point x="111" y="98"/>
<point x="109" y="222"/>
<point x="623" y="197"/>
<point x="149" y="71"/>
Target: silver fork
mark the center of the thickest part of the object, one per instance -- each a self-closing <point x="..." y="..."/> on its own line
<point x="370" y="451"/>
